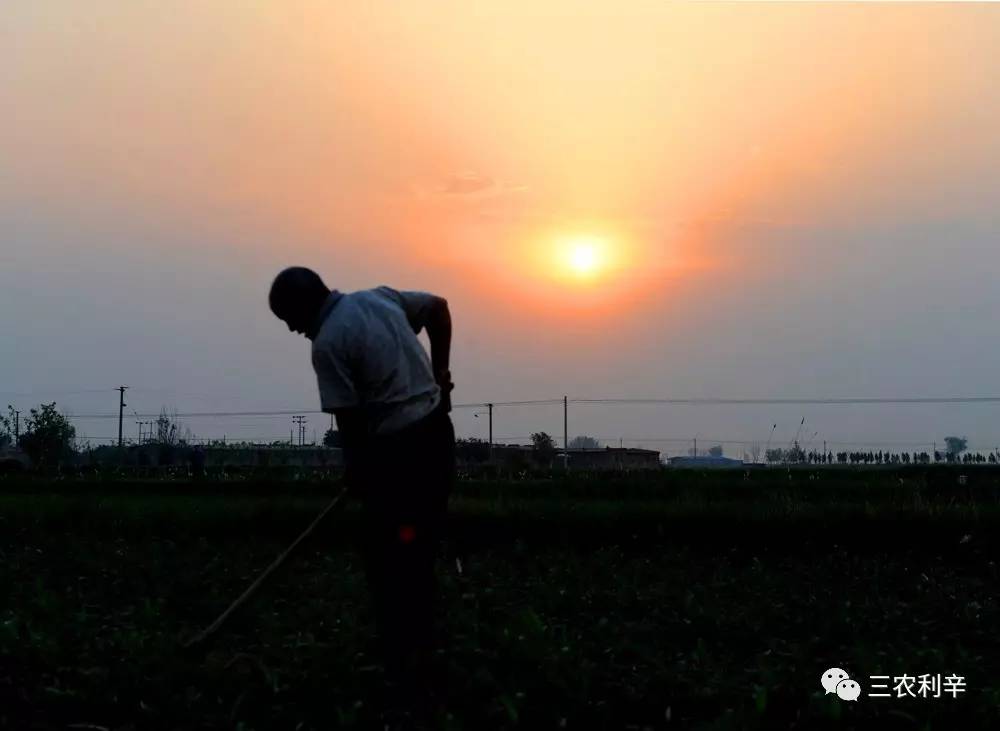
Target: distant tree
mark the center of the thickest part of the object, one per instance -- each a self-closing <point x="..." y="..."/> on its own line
<point x="795" y="455"/>
<point x="755" y="450"/>
<point x="472" y="450"/>
<point x="774" y="456"/>
<point x="544" y="447"/>
<point x="6" y="434"/>
<point x="715" y="451"/>
<point x="956" y="445"/>
<point x="584" y="442"/>
<point x="48" y="436"/>
<point x="7" y="427"/>
<point x="331" y="438"/>
<point x="166" y="430"/>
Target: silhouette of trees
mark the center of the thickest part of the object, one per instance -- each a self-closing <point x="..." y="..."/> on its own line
<point x="47" y="436"/>
<point x="584" y="442"/>
<point x="544" y="447"/>
<point x="6" y="428"/>
<point x="955" y="446"/>
<point x="472" y="450"/>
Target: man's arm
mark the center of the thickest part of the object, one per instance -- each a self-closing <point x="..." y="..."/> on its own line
<point x="438" y="325"/>
<point x="339" y="396"/>
<point x="351" y="426"/>
<point x="427" y="310"/>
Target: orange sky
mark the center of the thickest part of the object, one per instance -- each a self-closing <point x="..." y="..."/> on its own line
<point x="713" y="147"/>
<point x="468" y="139"/>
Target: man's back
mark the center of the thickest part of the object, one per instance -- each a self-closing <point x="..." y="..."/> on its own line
<point x="366" y="354"/>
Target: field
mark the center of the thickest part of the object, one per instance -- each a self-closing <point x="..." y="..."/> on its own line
<point x="681" y="600"/>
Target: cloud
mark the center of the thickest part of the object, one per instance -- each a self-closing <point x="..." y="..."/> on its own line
<point x="468" y="183"/>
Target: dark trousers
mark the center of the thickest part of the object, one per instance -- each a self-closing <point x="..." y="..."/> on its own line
<point x="406" y="481"/>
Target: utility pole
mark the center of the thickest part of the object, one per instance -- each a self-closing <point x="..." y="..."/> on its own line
<point x="565" y="433"/>
<point x="300" y="421"/>
<point x="17" y="428"/>
<point x="121" y="408"/>
<point x="490" y="407"/>
<point x="768" y="447"/>
<point x="695" y="447"/>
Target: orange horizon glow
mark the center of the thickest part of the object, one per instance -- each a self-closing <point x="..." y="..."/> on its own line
<point x="572" y="161"/>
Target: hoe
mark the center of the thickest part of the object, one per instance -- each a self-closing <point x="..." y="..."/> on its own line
<point x="200" y="640"/>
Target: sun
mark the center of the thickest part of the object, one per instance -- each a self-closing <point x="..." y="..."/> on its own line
<point x="584" y="256"/>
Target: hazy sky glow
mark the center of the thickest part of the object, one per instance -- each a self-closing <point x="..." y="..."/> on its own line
<point x="785" y="200"/>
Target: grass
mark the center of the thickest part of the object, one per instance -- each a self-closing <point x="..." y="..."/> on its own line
<point x="706" y="601"/>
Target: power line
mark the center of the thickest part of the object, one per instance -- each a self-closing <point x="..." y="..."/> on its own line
<point x="296" y="412"/>
<point x="611" y="401"/>
<point x="794" y="401"/>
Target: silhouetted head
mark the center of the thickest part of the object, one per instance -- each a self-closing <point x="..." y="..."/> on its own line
<point x="297" y="296"/>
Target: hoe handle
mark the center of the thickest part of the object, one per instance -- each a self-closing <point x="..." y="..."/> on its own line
<point x="252" y="589"/>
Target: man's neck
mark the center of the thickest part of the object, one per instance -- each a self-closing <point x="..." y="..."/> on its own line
<point x="327" y="307"/>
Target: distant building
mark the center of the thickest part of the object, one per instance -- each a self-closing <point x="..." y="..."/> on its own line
<point x="215" y="456"/>
<point x="715" y="463"/>
<point x="268" y="456"/>
<point x="522" y="456"/>
<point x="13" y="459"/>
<point x="611" y="458"/>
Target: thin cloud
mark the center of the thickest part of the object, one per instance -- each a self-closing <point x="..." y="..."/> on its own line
<point x="468" y="184"/>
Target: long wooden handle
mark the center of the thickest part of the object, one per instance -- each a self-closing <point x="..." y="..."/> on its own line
<point x="252" y="589"/>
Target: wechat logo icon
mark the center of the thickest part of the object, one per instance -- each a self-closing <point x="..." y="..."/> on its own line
<point x="838" y="682"/>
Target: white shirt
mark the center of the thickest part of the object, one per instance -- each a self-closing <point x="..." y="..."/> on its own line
<point x="366" y="354"/>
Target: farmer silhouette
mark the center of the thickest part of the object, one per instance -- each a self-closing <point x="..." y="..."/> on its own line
<point x="391" y="403"/>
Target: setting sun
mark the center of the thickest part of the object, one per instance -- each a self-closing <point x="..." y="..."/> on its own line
<point x="583" y="256"/>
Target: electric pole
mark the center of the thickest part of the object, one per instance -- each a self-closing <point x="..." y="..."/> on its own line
<point x="300" y="421"/>
<point x="17" y="428"/>
<point x="490" y="407"/>
<point x="565" y="433"/>
<point x="121" y="408"/>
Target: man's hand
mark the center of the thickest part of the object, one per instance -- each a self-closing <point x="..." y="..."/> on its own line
<point x="443" y="379"/>
<point x="352" y="427"/>
<point x="439" y="333"/>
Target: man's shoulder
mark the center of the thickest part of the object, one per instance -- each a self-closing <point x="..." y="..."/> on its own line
<point x="384" y="292"/>
<point x="335" y="329"/>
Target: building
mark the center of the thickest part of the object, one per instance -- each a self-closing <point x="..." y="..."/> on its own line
<point x="611" y="459"/>
<point x="13" y="459"/>
<point x="273" y="456"/>
<point x="519" y="456"/>
<point x="711" y="463"/>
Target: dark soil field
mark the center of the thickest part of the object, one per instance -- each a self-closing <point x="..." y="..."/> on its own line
<point x="682" y="600"/>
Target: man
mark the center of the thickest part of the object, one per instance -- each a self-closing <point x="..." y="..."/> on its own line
<point x="391" y="404"/>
